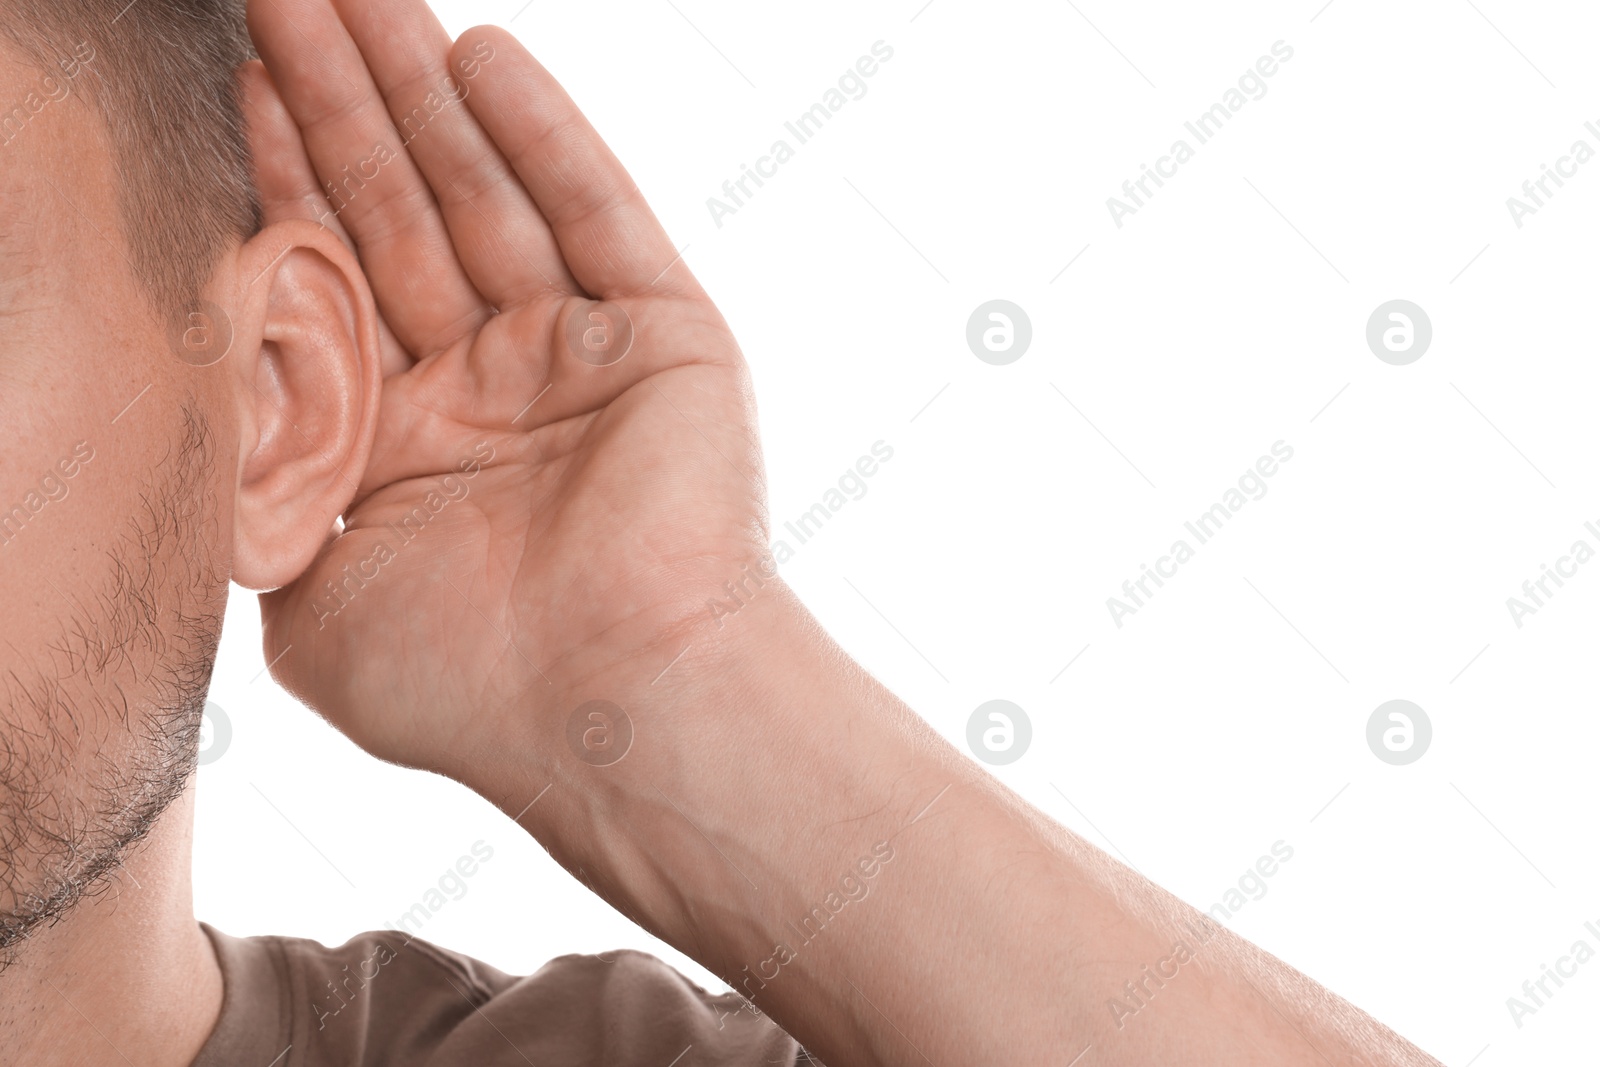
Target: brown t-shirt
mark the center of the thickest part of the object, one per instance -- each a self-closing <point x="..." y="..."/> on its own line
<point x="382" y="999"/>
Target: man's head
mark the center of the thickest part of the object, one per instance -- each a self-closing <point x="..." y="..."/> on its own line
<point x="135" y="478"/>
<point x="162" y="76"/>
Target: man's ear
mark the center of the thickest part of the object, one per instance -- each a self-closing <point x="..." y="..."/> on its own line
<point x="308" y="381"/>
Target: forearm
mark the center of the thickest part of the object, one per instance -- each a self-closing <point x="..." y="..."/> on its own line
<point x="786" y="821"/>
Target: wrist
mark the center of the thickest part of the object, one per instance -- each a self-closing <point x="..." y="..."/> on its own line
<point x="772" y="787"/>
<point x="760" y="765"/>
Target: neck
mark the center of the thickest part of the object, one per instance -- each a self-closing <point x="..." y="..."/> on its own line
<point x="127" y="975"/>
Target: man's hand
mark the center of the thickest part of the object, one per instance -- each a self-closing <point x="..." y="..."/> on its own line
<point x="566" y="458"/>
<point x="537" y="529"/>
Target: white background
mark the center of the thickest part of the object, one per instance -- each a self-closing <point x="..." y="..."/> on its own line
<point x="1222" y="317"/>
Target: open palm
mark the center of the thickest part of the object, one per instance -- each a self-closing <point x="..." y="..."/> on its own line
<point x="565" y="464"/>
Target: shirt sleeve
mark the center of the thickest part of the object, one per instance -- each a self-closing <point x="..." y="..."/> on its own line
<point x="622" y="1009"/>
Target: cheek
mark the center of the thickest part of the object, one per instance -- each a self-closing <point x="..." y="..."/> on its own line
<point x="97" y="503"/>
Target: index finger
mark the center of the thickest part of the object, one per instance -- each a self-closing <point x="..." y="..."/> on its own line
<point x="374" y="184"/>
<point x="286" y="182"/>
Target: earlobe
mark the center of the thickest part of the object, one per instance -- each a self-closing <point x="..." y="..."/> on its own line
<point x="308" y="378"/>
